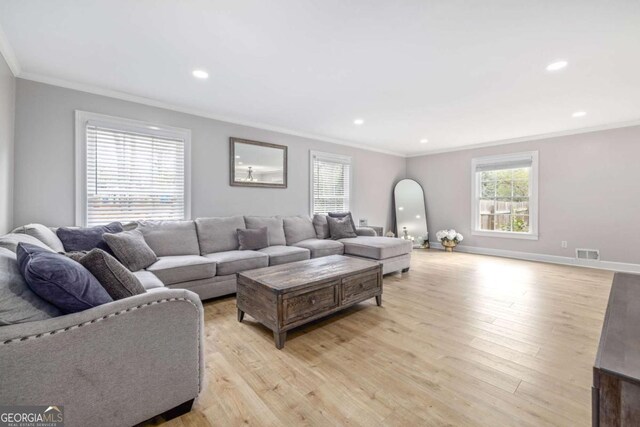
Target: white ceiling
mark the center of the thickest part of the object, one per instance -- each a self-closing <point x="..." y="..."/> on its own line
<point x="456" y="72"/>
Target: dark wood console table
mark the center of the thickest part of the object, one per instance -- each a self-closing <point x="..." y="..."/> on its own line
<point x="616" y="373"/>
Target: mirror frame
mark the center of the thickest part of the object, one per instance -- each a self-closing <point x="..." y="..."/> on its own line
<point x="232" y="169"/>
<point x="426" y="244"/>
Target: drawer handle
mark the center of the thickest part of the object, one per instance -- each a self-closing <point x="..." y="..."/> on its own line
<point x="313" y="301"/>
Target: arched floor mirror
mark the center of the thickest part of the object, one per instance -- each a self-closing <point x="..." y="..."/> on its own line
<point x="410" y="212"/>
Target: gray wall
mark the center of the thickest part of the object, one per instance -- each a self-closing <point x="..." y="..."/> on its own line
<point x="7" y="110"/>
<point x="589" y="194"/>
<point x="44" y="159"/>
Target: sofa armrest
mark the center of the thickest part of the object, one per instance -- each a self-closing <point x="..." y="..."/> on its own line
<point x="117" y="364"/>
<point x="366" y="231"/>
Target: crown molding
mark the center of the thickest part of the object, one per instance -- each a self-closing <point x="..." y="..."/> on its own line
<point x="537" y="137"/>
<point x="8" y="54"/>
<point x="96" y="90"/>
<point x="12" y="61"/>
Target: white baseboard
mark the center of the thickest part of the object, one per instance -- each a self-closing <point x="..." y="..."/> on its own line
<point x="554" y="259"/>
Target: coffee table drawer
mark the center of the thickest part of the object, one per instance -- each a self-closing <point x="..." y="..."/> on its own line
<point x="306" y="304"/>
<point x="358" y="286"/>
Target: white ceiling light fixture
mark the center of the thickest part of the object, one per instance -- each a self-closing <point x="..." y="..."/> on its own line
<point x="200" y="74"/>
<point x="557" y="65"/>
<point x="154" y="127"/>
<point x="424" y="141"/>
<point x="358" y="122"/>
<point x="579" y="114"/>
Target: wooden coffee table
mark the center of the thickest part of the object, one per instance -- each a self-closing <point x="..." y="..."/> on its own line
<point x="286" y="296"/>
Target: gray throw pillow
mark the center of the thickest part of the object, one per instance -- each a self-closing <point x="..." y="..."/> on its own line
<point x="342" y="215"/>
<point x="113" y="276"/>
<point x="341" y="228"/>
<point x="10" y="241"/>
<point x="253" y="239"/>
<point x="42" y="233"/>
<point x="131" y="249"/>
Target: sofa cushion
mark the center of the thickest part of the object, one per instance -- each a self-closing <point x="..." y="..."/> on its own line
<point x="18" y="303"/>
<point x="168" y="238"/>
<point x="298" y="228"/>
<point x="321" y="247"/>
<point x="285" y="254"/>
<point x="114" y="277"/>
<point x="341" y="228"/>
<point x="274" y="224"/>
<point x="10" y="241"/>
<point x="321" y="226"/>
<point x="42" y="233"/>
<point x="256" y="238"/>
<point x="60" y="280"/>
<point x="182" y="268"/>
<point x="376" y="247"/>
<point x="148" y="280"/>
<point x="218" y="234"/>
<point x="229" y="262"/>
<point x="131" y="249"/>
<point x="84" y="239"/>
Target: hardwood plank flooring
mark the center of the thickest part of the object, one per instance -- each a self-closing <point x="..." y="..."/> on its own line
<point x="460" y="340"/>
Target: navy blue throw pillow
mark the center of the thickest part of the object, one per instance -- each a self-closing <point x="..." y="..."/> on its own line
<point x="85" y="239"/>
<point x="59" y="279"/>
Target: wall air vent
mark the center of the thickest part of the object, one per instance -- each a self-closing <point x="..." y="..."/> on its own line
<point x="588" y="254"/>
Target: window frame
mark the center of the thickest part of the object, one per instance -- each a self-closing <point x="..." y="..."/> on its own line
<point x="130" y="125"/>
<point x="337" y="158"/>
<point x="533" y="195"/>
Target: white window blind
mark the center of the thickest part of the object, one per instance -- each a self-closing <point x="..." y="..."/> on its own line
<point x="330" y="183"/>
<point x="133" y="175"/>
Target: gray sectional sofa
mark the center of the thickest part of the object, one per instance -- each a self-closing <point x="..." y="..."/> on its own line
<point x="126" y="361"/>
<point x="203" y="255"/>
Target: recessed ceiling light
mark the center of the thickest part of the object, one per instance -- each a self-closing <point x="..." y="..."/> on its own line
<point x="579" y="114"/>
<point x="424" y="141"/>
<point x="358" y="122"/>
<point x="557" y="65"/>
<point x="240" y="163"/>
<point x="154" y="127"/>
<point x="400" y="208"/>
<point x="237" y="157"/>
<point x="200" y="74"/>
<point x="417" y="216"/>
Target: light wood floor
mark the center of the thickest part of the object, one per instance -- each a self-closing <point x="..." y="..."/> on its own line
<point x="460" y="340"/>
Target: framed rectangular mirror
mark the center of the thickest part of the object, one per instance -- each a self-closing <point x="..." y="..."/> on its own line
<point x="257" y="164"/>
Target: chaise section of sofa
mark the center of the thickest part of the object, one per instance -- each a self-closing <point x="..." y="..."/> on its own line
<point x="117" y="364"/>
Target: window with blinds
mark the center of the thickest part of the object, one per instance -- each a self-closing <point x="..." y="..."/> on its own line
<point x="330" y="183"/>
<point x="133" y="173"/>
<point x="505" y="195"/>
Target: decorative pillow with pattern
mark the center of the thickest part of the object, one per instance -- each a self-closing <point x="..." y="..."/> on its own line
<point x="341" y="228"/>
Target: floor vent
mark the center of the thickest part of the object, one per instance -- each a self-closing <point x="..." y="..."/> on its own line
<point x="588" y="254"/>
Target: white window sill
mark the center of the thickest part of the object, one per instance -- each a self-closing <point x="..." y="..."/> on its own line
<point x="505" y="234"/>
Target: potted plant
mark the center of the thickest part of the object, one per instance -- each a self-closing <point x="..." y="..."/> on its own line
<point x="449" y="239"/>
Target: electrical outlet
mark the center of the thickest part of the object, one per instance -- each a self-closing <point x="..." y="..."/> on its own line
<point x="563" y="243"/>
